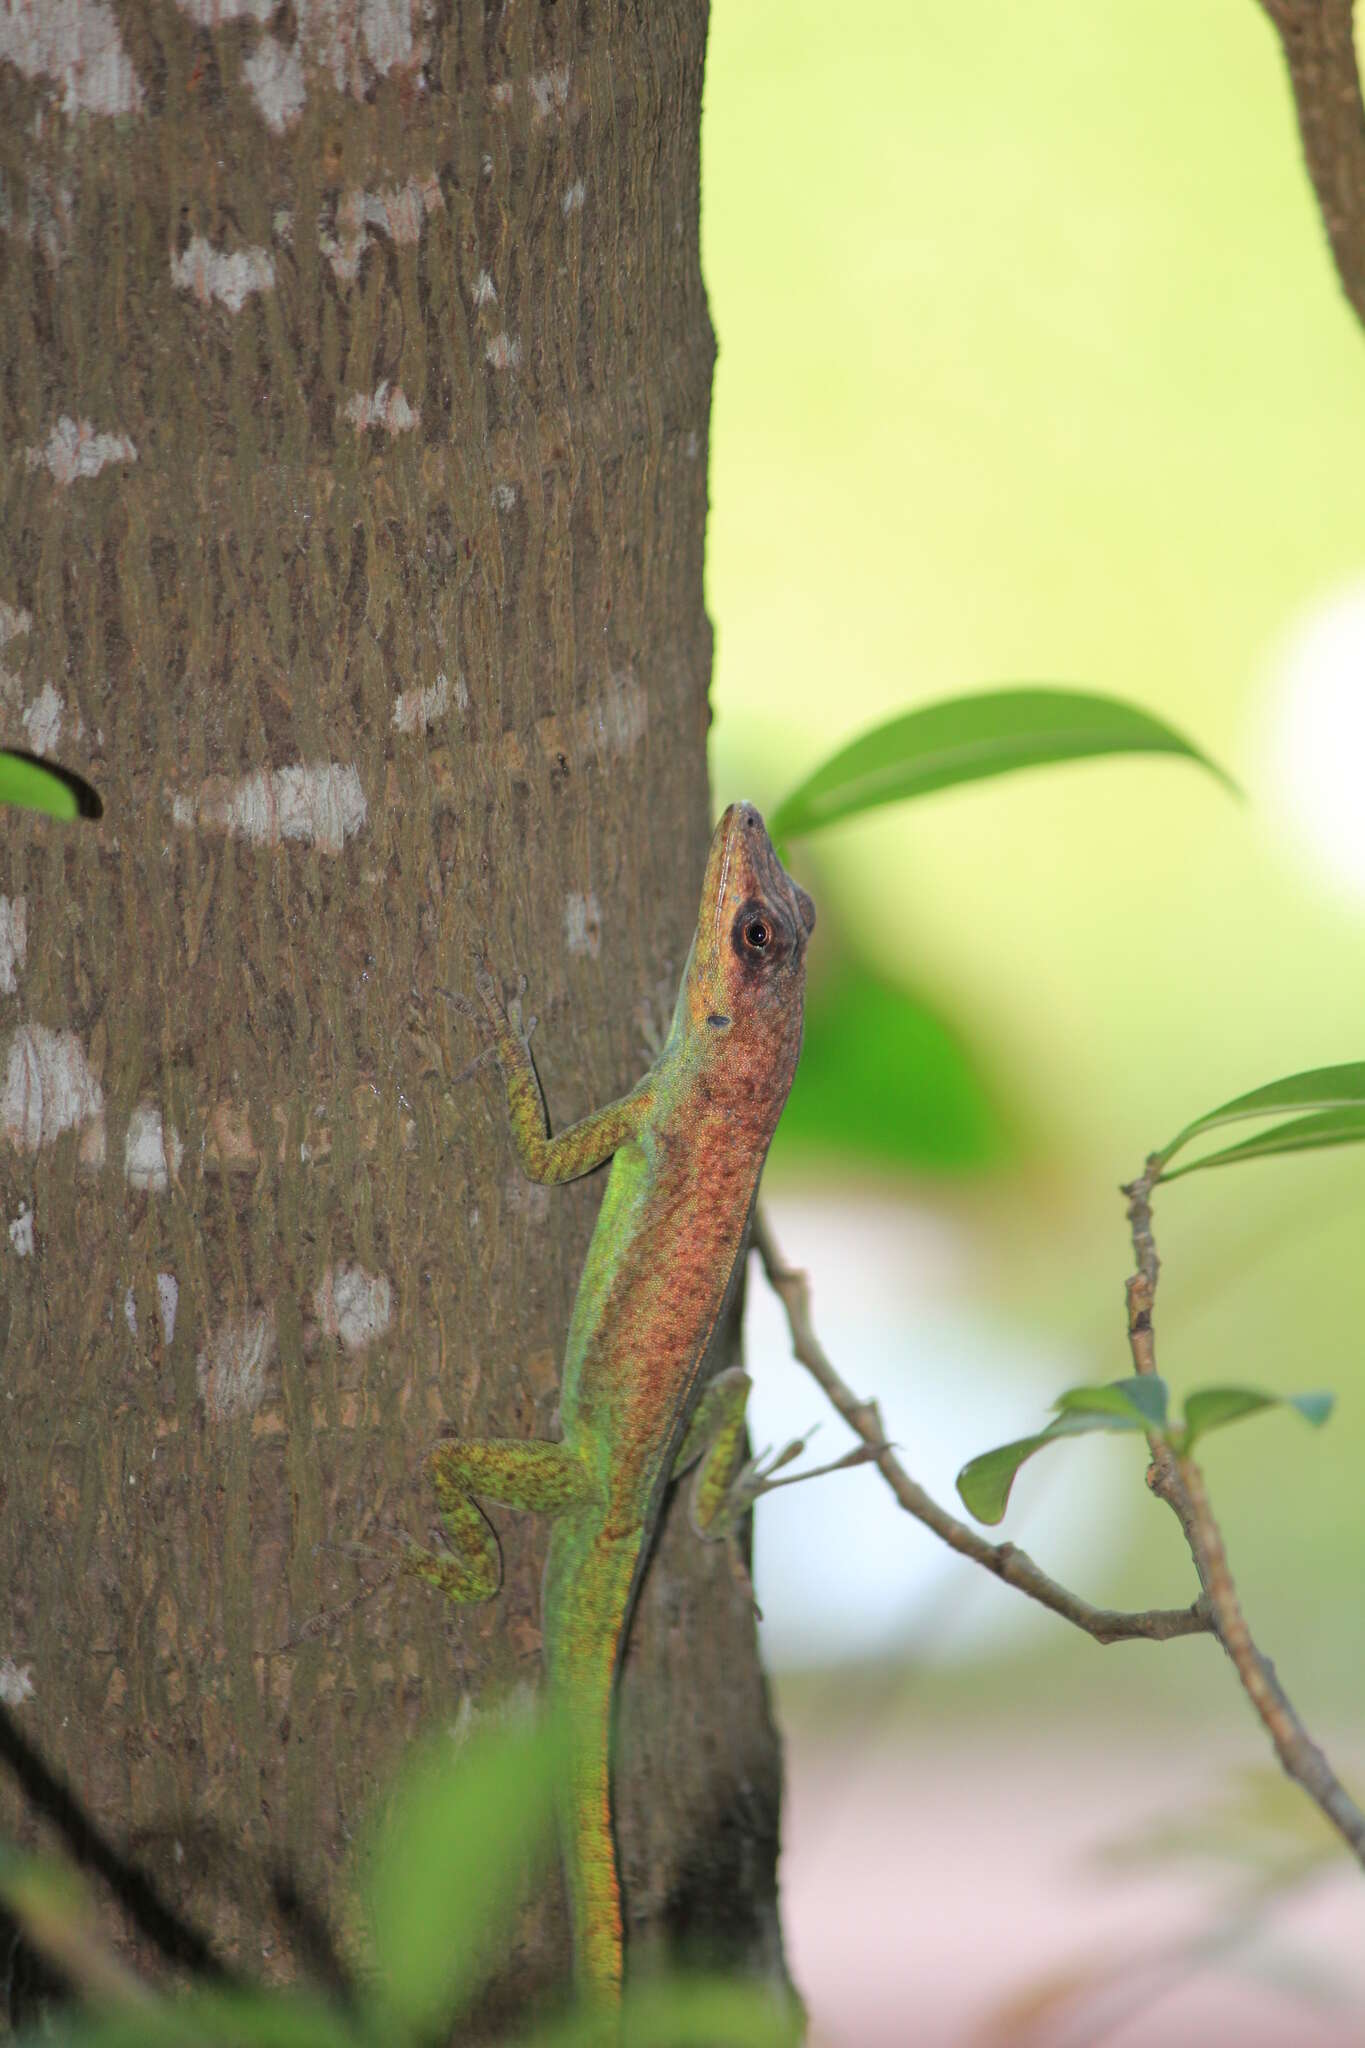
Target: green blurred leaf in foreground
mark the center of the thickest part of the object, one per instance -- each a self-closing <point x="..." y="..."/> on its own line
<point x="32" y="787"/>
<point x="962" y="739"/>
<point x="687" y="2012"/>
<point x="933" y="1108"/>
<point x="1333" y="1097"/>
<point x="466" y="1833"/>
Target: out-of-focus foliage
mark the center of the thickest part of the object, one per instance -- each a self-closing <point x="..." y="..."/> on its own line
<point x="466" y="1835"/>
<point x="887" y="1081"/>
<point x="967" y="738"/>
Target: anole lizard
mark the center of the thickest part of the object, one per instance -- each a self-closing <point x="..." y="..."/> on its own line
<point x="687" y="1145"/>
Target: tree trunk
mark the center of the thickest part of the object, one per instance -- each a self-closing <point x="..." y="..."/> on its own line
<point x="356" y="371"/>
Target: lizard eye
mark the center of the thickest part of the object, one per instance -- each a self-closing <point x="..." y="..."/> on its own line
<point x="759" y="936"/>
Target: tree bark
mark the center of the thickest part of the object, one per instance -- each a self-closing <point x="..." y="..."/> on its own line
<point x="353" y="420"/>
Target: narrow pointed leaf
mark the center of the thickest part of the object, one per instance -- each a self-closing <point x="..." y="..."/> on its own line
<point x="466" y="1833"/>
<point x="32" y="787"/>
<point x="1318" y="1088"/>
<point x="1325" y="1127"/>
<point x="1215" y="1407"/>
<point x="961" y="739"/>
<point x="1137" y="1403"/>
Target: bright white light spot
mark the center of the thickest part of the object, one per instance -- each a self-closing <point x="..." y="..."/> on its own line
<point x="1315" y="737"/>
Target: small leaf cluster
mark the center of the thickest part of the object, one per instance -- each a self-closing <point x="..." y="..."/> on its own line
<point x="1138" y="1406"/>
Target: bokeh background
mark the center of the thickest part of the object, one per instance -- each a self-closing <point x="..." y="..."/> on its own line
<point x="1034" y="368"/>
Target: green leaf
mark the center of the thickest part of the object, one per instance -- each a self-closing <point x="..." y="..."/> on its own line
<point x="1345" y="1126"/>
<point x="1137" y="1403"/>
<point x="1215" y="1407"/>
<point x="466" y="1833"/>
<point x="1318" y="1088"/>
<point x="984" y="1483"/>
<point x="213" y="2019"/>
<point x="32" y="787"/>
<point x="682" y="2012"/>
<point x="962" y="739"/>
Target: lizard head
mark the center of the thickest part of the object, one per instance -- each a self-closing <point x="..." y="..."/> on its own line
<point x="746" y="978"/>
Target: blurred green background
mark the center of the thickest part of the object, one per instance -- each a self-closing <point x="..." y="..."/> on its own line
<point x="1034" y="368"/>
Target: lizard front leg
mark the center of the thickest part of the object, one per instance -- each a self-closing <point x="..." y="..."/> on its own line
<point x="583" y="1145"/>
<point x="545" y="1478"/>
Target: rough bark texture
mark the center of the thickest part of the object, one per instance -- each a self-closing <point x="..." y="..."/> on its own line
<point x="353" y="419"/>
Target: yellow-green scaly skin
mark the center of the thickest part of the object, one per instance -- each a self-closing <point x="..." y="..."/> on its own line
<point x="687" y="1146"/>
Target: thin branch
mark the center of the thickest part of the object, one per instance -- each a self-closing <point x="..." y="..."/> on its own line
<point x="1180" y="1483"/>
<point x="1319" y="49"/>
<point x="1005" y="1560"/>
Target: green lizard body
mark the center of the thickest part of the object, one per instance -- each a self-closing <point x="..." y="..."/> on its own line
<point x="687" y="1146"/>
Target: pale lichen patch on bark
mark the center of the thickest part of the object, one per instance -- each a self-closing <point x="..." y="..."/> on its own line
<point x="353" y="1305"/>
<point x="606" y="727"/>
<point x="230" y="277"/>
<point x="73" y="449"/>
<point x="77" y="44"/>
<point x="386" y="407"/>
<point x="42" y="723"/>
<point x="152" y="1150"/>
<point x="167" y="1301"/>
<point x="319" y="802"/>
<point x="418" y="710"/>
<point x="21" y="1232"/>
<point x="13" y="621"/>
<point x="503" y="351"/>
<point x="398" y="211"/>
<point x="583" y="924"/>
<point x="48" y="1088"/>
<point x="213" y="13"/>
<point x="350" y="42"/>
<point x="13" y="941"/>
<point x="274" y="74"/>
<point x="230" y="1369"/>
<point x="16" y="1682"/>
<point x="550" y="91"/>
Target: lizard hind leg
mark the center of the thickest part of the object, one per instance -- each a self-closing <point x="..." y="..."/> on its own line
<point x="715" y="1444"/>
<point x="514" y="1473"/>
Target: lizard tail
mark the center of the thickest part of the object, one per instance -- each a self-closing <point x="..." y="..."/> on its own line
<point x="587" y="1596"/>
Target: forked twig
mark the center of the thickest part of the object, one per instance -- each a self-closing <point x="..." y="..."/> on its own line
<point x="1005" y="1560"/>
